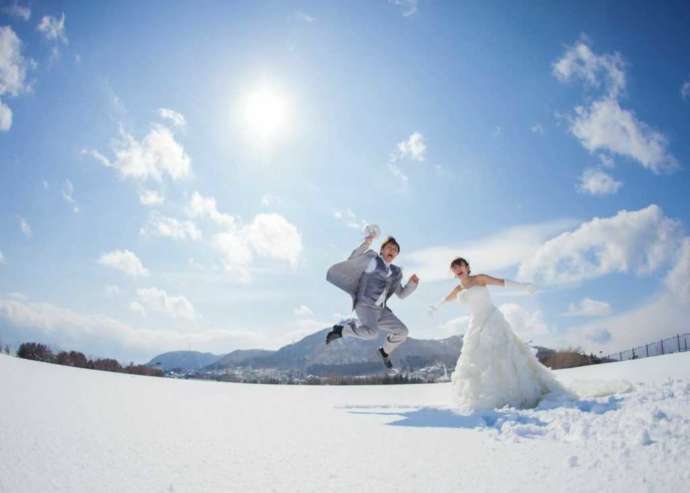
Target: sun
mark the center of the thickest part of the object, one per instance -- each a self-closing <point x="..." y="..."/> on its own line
<point x="265" y="112"/>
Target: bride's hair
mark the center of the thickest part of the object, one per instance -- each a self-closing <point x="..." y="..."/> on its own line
<point x="461" y="261"/>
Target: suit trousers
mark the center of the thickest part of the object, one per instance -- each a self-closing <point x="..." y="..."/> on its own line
<point x="371" y="319"/>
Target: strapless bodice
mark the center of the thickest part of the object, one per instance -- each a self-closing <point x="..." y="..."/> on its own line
<point x="478" y="299"/>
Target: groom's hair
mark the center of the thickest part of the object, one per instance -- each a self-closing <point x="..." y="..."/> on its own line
<point x="460" y="261"/>
<point x="390" y="241"/>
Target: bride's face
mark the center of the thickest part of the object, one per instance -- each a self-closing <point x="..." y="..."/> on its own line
<point x="459" y="270"/>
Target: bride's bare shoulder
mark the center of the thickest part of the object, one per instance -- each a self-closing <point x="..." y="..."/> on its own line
<point x="476" y="279"/>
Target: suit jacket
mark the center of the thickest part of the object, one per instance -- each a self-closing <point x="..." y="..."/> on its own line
<point x="346" y="275"/>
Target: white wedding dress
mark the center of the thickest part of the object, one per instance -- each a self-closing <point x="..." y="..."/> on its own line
<point x="496" y="368"/>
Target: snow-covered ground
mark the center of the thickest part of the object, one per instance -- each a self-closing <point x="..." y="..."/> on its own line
<point x="67" y="429"/>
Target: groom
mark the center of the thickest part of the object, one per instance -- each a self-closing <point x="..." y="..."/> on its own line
<point x="371" y="279"/>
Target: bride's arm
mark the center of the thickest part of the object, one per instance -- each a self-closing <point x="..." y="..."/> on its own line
<point x="485" y="280"/>
<point x="450" y="297"/>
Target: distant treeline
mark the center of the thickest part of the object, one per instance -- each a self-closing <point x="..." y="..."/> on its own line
<point x="40" y="352"/>
<point x="384" y="379"/>
<point x="570" y="358"/>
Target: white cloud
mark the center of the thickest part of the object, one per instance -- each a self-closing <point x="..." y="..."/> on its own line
<point x="13" y="68"/>
<point x="125" y="261"/>
<point x="489" y="254"/>
<point x="97" y="156"/>
<point x="663" y="314"/>
<point x="588" y="308"/>
<point x="303" y="311"/>
<point x="269" y="200"/>
<point x="606" y="161"/>
<point x="5" y="117"/>
<point x="537" y="128"/>
<point x="67" y="192"/>
<point x="151" y="197"/>
<point x="157" y="300"/>
<point x="409" y="7"/>
<point x="413" y="148"/>
<point x="678" y="279"/>
<point x="268" y="235"/>
<point x="580" y="62"/>
<point x="455" y="326"/>
<point x="16" y="10"/>
<point x="237" y="254"/>
<point x="398" y="173"/>
<point x="598" y="335"/>
<point x="195" y="264"/>
<point x="25" y="227"/>
<point x="685" y="90"/>
<point x="111" y="290"/>
<point x="137" y="307"/>
<point x="107" y="337"/>
<point x="528" y="325"/>
<point x="350" y="219"/>
<point x="631" y="241"/>
<point x="156" y="155"/>
<point x="160" y="225"/>
<point x="304" y="17"/>
<point x="273" y="236"/>
<point x="605" y="126"/>
<point x="2" y="259"/>
<point x="53" y="28"/>
<point x="205" y="207"/>
<point x="596" y="182"/>
<point x="177" y="119"/>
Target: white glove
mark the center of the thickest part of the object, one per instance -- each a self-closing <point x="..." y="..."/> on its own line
<point x="371" y="231"/>
<point x="522" y="286"/>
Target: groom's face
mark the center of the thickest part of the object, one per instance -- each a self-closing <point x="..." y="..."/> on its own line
<point x="389" y="252"/>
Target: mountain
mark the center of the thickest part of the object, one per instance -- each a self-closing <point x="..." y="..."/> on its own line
<point x="185" y="360"/>
<point x="239" y="357"/>
<point x="346" y="356"/>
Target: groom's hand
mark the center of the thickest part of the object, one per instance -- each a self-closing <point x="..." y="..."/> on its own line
<point x="414" y="279"/>
<point x="371" y="232"/>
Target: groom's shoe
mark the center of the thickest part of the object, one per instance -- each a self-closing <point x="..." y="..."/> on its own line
<point x="335" y="333"/>
<point x="386" y="359"/>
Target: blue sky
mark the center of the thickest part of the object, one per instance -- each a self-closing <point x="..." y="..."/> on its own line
<point x="180" y="176"/>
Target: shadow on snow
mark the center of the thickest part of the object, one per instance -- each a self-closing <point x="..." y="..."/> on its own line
<point x="527" y="420"/>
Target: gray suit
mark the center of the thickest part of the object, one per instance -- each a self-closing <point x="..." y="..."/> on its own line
<point x="370" y="292"/>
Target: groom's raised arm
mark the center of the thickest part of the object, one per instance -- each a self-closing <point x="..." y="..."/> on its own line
<point x="361" y="249"/>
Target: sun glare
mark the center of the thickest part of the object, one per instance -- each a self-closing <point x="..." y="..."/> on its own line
<point x="265" y="113"/>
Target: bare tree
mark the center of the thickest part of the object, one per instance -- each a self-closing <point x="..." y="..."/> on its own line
<point x="35" y="351"/>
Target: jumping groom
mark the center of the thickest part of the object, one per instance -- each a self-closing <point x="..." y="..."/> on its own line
<point x="371" y="279"/>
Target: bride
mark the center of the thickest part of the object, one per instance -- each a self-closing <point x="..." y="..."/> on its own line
<point x="495" y="367"/>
